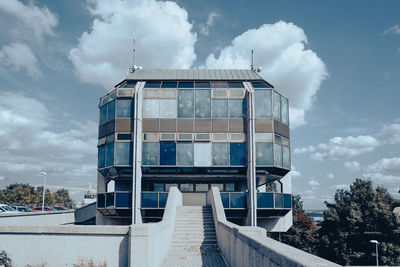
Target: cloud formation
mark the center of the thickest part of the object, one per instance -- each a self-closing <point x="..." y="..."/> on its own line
<point x="38" y="20"/>
<point x="352" y="166"/>
<point x="280" y="50"/>
<point x="384" y="170"/>
<point x="29" y="143"/>
<point x="19" y="56"/>
<point x="341" y="148"/>
<point x="161" y="29"/>
<point x="395" y="29"/>
<point x="394" y="131"/>
<point x="330" y="175"/>
<point x="205" y="28"/>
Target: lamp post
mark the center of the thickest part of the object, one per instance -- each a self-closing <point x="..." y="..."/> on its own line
<point x="376" y="249"/>
<point x="43" y="173"/>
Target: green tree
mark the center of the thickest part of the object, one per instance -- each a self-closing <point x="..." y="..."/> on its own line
<point x="61" y="197"/>
<point x="20" y="194"/>
<point x="356" y="217"/>
<point x="303" y="233"/>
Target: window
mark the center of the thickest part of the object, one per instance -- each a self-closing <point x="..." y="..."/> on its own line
<point x="237" y="108"/>
<point x="202" y="154"/>
<point x="264" y="154"/>
<point x="150" y="137"/>
<point x="168" y="186"/>
<point x="111" y="111"/>
<point x="285" y="110"/>
<point x="109" y="154"/>
<point x="152" y="85"/>
<point x="201" y="187"/>
<point x="278" y="155"/>
<point x="167" y="153"/>
<point x="260" y="85"/>
<point x="185" y="103"/>
<point x="202" y="84"/>
<point x="169" y="85"/>
<point x="230" y="187"/>
<point x="220" y="108"/>
<point x="186" y="187"/>
<point x="235" y="85"/>
<point x="286" y="157"/>
<point x="103" y="114"/>
<point x="124" y="137"/>
<point x="219" y="186"/>
<point x="123" y="155"/>
<point x="158" y="187"/>
<point x="124" y="108"/>
<point x="220" y="154"/>
<point x="203" y="103"/>
<point x="168" y="108"/>
<point x="219" y="85"/>
<point x="186" y="85"/>
<point x="277" y="106"/>
<point x="238" y="154"/>
<point x="151" y="153"/>
<point x="263" y="103"/>
<point x="151" y="108"/>
<point x="101" y="153"/>
<point x="184" y="153"/>
<point x="129" y="84"/>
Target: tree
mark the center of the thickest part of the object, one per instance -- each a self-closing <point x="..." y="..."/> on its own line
<point x="303" y="233"/>
<point x="61" y="197"/>
<point x="356" y="217"/>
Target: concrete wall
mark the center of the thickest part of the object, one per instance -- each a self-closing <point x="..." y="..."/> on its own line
<point x="65" y="245"/>
<point x="150" y="242"/>
<point x="37" y="218"/>
<point x="85" y="213"/>
<point x="249" y="246"/>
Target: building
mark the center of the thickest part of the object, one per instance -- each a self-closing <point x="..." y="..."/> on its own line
<point x="194" y="129"/>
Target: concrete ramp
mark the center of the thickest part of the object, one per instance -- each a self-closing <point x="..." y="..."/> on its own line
<point x="194" y="241"/>
<point x="86" y="214"/>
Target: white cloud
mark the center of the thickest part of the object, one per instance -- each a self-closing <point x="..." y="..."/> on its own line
<point x="395" y="29"/>
<point x="330" y="175"/>
<point x="341" y="186"/>
<point x="29" y="143"/>
<point x="19" y="56"/>
<point x="161" y="29"/>
<point x="302" y="150"/>
<point x="39" y="20"/>
<point x="295" y="173"/>
<point x="280" y="50"/>
<point x="313" y="183"/>
<point x="205" y="28"/>
<point x="352" y="166"/>
<point x="1" y="178"/>
<point x="343" y="147"/>
<point x="389" y="167"/>
<point x="394" y="131"/>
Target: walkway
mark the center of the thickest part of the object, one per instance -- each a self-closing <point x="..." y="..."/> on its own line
<point x="195" y="242"/>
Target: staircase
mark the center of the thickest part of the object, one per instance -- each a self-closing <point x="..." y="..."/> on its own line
<point x="194" y="242"/>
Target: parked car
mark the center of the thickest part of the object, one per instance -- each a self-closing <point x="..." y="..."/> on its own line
<point x="37" y="209"/>
<point x="59" y="208"/>
<point x="21" y="208"/>
<point x="6" y="209"/>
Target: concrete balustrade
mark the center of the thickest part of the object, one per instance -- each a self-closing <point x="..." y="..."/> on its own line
<point x="250" y="246"/>
<point x="37" y="218"/>
<point x="150" y="242"/>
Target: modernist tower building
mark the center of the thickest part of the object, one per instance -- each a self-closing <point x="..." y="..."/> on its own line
<point x="194" y="129"/>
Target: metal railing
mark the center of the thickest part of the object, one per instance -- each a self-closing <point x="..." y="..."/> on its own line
<point x="154" y="200"/>
<point x="114" y="200"/>
<point x="234" y="200"/>
<point x="272" y="200"/>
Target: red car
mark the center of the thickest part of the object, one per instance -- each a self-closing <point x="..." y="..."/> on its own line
<point x="40" y="209"/>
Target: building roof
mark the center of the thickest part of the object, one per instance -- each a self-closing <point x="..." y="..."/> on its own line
<point x="194" y="74"/>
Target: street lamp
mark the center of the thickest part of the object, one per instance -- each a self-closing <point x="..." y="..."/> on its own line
<point x="376" y="247"/>
<point x="44" y="173"/>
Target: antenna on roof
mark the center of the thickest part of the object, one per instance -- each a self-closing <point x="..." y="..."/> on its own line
<point x="252" y="60"/>
<point x="134" y="67"/>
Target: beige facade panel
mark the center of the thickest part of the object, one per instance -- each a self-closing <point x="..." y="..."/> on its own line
<point x="150" y="125"/>
<point x="123" y="125"/>
<point x="281" y="129"/>
<point x="236" y="125"/>
<point x="202" y="125"/>
<point x="185" y="125"/>
<point x="167" y="125"/>
<point x="264" y="125"/>
<point x="220" y="125"/>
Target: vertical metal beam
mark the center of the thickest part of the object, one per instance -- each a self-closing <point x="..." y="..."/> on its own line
<point x="137" y="155"/>
<point x="251" y="159"/>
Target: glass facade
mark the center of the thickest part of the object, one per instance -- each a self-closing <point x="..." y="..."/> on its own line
<point x="124" y="108"/>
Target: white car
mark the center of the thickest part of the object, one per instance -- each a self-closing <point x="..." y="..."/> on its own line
<point x="6" y="209"/>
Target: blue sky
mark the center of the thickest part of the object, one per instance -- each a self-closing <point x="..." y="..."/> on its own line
<point x="338" y="62"/>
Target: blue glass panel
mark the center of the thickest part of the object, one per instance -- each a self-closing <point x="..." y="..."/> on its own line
<point x="101" y="155"/>
<point x="124" y="108"/>
<point x="203" y="103"/>
<point x="278" y="201"/>
<point x="111" y="111"/>
<point x="263" y="103"/>
<point x="185" y="153"/>
<point x="278" y="155"/>
<point x="264" y="154"/>
<point x="235" y="85"/>
<point x="110" y="199"/>
<point x="103" y="114"/>
<point x="220" y="154"/>
<point x="219" y="84"/>
<point x="151" y="153"/>
<point x="185" y="103"/>
<point x="101" y="200"/>
<point x="169" y="85"/>
<point x="123" y="200"/>
<point x="225" y="200"/>
<point x="167" y="153"/>
<point x="260" y="85"/>
<point x="277" y="106"/>
<point x="162" y="199"/>
<point x="124" y="136"/>
<point x="110" y="154"/>
<point x="149" y="200"/>
<point x="285" y="110"/>
<point x="237" y="108"/>
<point x="238" y="153"/>
<point x="185" y="85"/>
<point x="287" y="202"/>
<point x="152" y="85"/>
<point x="286" y="157"/>
<point x="129" y="84"/>
<point x="202" y="84"/>
<point x="238" y="200"/>
<point x="265" y="200"/>
<point x="123" y="155"/>
<point x="219" y="108"/>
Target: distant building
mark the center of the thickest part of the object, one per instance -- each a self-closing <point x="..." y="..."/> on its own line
<point x="194" y="129"/>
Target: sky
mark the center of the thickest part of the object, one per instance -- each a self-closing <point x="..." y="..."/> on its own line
<point x="338" y="62"/>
